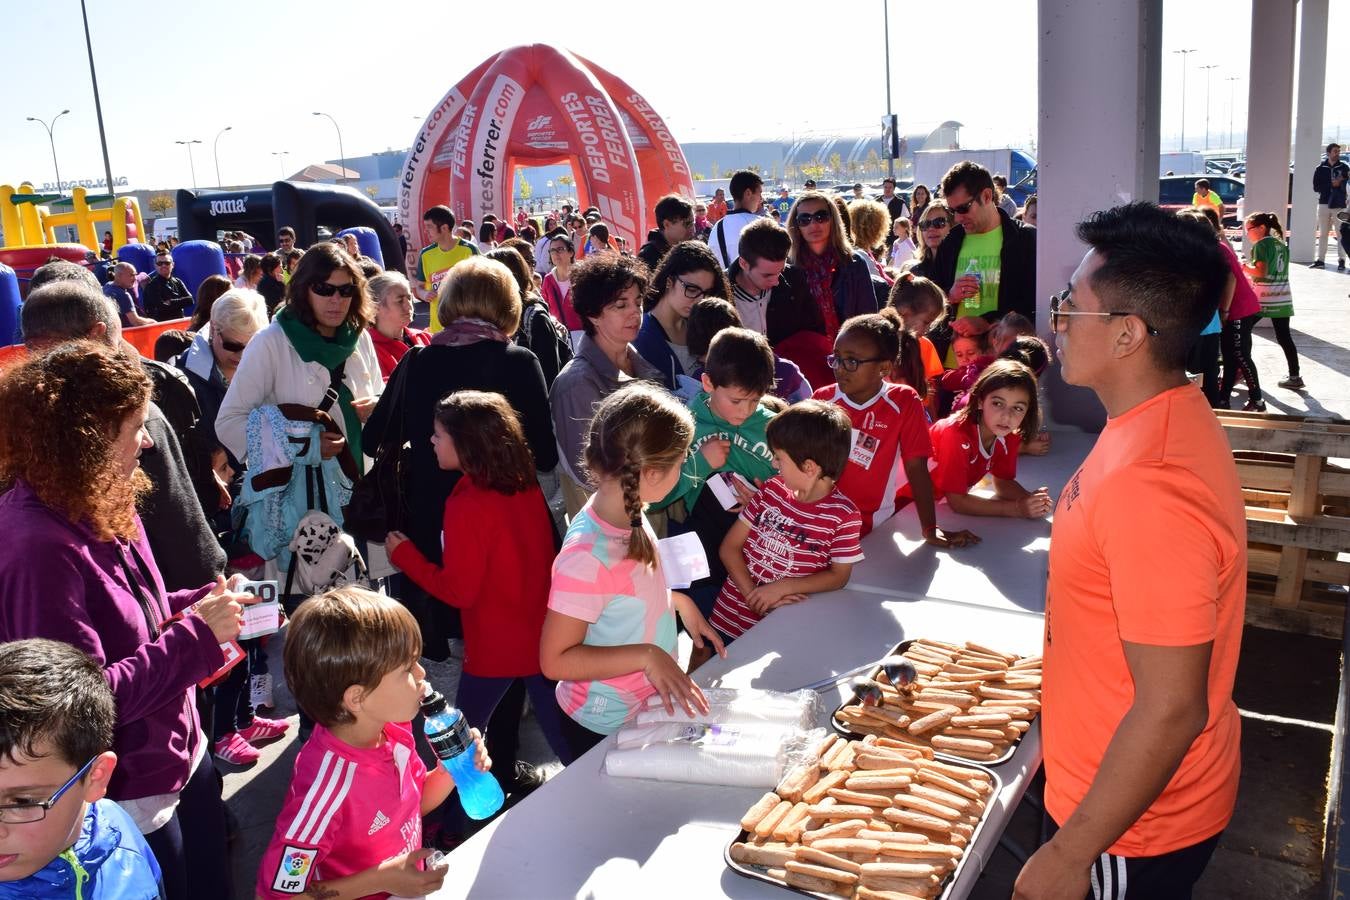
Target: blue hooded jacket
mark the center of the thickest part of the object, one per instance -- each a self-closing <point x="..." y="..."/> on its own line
<point x="108" y="861"/>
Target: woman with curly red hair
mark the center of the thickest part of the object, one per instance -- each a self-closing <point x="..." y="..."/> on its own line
<point x="76" y="567"/>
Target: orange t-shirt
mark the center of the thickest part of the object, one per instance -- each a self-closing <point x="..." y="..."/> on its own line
<point x="1149" y="546"/>
<point x="932" y="363"/>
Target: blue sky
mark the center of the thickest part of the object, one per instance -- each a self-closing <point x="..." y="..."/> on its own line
<point x="185" y="70"/>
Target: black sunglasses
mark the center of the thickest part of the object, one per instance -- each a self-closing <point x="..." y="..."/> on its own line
<point x="163" y="262"/>
<point x="819" y="216"/>
<point x="324" y="289"/>
<point x="964" y="207"/>
<point x="231" y="346"/>
<point x="934" y="224"/>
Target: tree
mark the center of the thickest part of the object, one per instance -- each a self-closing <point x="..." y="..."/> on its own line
<point x="160" y="204"/>
<point x="566" y="180"/>
<point x="372" y="191"/>
<point x="836" y="163"/>
<point x="525" y="191"/>
<point x="698" y="176"/>
<point x="873" y="162"/>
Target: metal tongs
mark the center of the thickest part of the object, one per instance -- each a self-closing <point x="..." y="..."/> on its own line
<point x="899" y="672"/>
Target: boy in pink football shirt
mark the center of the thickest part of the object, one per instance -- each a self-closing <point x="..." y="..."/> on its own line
<point x="351" y="825"/>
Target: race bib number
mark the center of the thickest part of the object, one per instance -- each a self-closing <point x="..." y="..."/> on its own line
<point x="864" y="448"/>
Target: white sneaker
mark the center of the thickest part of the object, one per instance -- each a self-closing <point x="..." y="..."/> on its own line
<point x="260" y="691"/>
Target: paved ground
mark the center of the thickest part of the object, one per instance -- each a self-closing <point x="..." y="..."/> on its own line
<point x="1272" y="849"/>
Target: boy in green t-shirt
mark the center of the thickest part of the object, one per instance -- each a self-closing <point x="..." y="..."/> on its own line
<point x="730" y="418"/>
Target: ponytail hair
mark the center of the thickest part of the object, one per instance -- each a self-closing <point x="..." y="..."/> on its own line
<point x="1270" y="221"/>
<point x="636" y="428"/>
<point x="895" y="342"/>
<point x="913" y="294"/>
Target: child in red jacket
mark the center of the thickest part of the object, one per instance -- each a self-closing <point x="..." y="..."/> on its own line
<point x="497" y="557"/>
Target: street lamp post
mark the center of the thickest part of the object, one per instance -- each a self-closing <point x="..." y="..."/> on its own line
<point x="98" y="104"/>
<point x="342" y="154"/>
<point x="281" y="162"/>
<point x="1209" y="70"/>
<point x="886" y="30"/>
<point x="1184" y="54"/>
<point x="52" y="140"/>
<point x="215" y="152"/>
<point x="1231" y="79"/>
<point x="191" y="165"/>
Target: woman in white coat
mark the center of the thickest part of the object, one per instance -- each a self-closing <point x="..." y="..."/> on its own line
<point x="317" y="342"/>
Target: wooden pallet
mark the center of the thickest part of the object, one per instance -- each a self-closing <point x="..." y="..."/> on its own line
<point x="1296" y="486"/>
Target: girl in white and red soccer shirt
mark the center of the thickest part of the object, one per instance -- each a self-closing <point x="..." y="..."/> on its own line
<point x="890" y="430"/>
<point x="799" y="534"/>
<point x="983" y="438"/>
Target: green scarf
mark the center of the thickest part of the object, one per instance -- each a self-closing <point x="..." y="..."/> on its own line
<point x="314" y="347"/>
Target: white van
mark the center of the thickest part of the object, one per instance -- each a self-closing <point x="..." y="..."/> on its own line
<point x="165" y="228"/>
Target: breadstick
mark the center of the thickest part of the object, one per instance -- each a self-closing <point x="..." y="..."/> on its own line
<point x="962" y="744"/>
<point x="865" y="781"/>
<point x="981" y="719"/>
<point x="927" y="806"/>
<point x="826" y="745"/>
<point x="817" y="857"/>
<point x="960" y="773"/>
<point x="953" y="698"/>
<point x="878" y="761"/>
<point x="843" y="759"/>
<point x="757" y="812"/>
<point x="896" y="870"/>
<point x="837" y="811"/>
<point x="798" y="780"/>
<point x="913" y="819"/>
<point x="827" y="761"/>
<point x="983" y="662"/>
<point x="867" y="893"/>
<point x="933" y="720"/>
<point x="920" y="849"/>
<point x="791" y="825"/>
<point x="940" y="645"/>
<point x="999" y="693"/>
<point x="847" y="845"/>
<point x="821" y="788"/>
<point x="822" y="872"/>
<point x="993" y="735"/>
<point x="847" y="828"/>
<point x="946" y="798"/>
<point x="771" y="819"/>
<point x="761" y="854"/>
<point x="930" y="775"/>
<point x="860" y="798"/>
<point x="990" y="651"/>
<point x="817" y="885"/>
<point x="906" y="746"/>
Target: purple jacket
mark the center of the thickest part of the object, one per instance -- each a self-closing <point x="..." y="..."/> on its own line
<point x="58" y="581"/>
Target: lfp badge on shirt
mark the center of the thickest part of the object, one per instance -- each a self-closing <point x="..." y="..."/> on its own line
<point x="294" y="870"/>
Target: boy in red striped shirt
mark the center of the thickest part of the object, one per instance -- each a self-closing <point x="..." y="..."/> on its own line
<point x="799" y="535"/>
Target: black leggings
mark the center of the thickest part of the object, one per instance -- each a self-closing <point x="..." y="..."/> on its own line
<point x="1237" y="359"/>
<point x="191" y="848"/>
<point x="1286" y="342"/>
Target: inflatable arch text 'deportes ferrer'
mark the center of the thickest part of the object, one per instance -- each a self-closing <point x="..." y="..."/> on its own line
<point x="538" y="105"/>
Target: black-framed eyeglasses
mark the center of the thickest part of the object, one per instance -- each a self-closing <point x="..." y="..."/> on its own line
<point x="819" y="216"/>
<point x="1057" y="315"/>
<point x="934" y="224"/>
<point x="851" y="363"/>
<point x="964" y="207"/>
<point x="324" y="289"/>
<point x="24" y="813"/>
<point x="691" y="290"/>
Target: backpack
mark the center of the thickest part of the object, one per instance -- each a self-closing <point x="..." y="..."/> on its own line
<point x="546" y="337"/>
<point x="322" y="557"/>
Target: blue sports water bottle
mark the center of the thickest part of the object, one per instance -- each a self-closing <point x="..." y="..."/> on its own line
<point x="448" y="734"/>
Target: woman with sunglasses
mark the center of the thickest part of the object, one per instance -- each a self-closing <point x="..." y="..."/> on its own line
<point x="688" y="273"/>
<point x="318" y="342"/>
<point x="933" y="226"/>
<point x="838" y="276"/>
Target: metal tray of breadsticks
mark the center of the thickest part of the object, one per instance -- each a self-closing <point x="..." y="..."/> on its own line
<point x="761" y="873"/>
<point x="844" y="729"/>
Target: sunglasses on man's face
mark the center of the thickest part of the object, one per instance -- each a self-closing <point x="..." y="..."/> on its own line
<point x="324" y="289"/>
<point x="964" y="207"/>
<point x="820" y="216"/>
<point x="163" y="262"/>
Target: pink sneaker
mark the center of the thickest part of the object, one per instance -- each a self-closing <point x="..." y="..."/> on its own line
<point x="234" y="749"/>
<point x="264" y="729"/>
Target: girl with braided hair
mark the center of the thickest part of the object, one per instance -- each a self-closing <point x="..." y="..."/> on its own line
<point x="609" y="635"/>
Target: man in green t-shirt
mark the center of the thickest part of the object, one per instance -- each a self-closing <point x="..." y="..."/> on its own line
<point x="987" y="262"/>
<point x="1204" y="196"/>
<point x="442" y="252"/>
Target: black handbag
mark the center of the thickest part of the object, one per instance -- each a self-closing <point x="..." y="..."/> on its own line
<point x="378" y="504"/>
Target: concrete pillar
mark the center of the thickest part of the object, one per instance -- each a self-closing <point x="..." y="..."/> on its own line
<point x="1308" y="143"/>
<point x="1270" y="105"/>
<point x="1099" y="99"/>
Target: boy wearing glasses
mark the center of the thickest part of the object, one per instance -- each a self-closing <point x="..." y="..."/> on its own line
<point x="59" y="835"/>
<point x="164" y="296"/>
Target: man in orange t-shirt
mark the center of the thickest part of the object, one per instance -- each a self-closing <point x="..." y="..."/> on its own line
<point x="1148" y="567"/>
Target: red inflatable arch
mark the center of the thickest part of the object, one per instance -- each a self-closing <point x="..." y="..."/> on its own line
<point x="538" y="105"/>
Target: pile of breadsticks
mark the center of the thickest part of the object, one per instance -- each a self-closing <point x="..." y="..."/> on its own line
<point x="873" y="819"/>
<point x="968" y="701"/>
